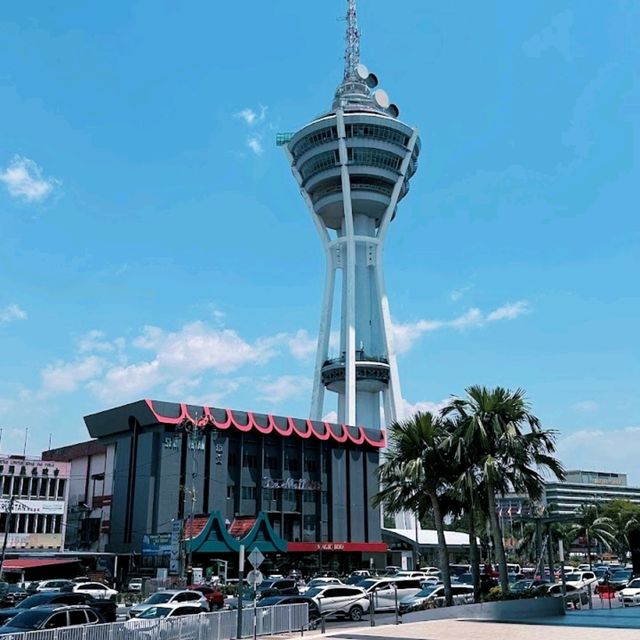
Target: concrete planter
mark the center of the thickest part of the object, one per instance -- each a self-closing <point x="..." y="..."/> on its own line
<point x="506" y="611"/>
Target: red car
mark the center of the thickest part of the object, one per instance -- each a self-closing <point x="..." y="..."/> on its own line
<point x="213" y="595"/>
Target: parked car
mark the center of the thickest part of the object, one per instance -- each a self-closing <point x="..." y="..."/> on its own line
<point x="630" y="595"/>
<point x="340" y="600"/>
<point x="279" y="587"/>
<point x="314" y="612"/>
<point x="11" y="594"/>
<point x="183" y="596"/>
<point x="319" y="582"/>
<point x="384" y="590"/>
<point x="213" y="595"/>
<point x="168" y="610"/>
<point x="51" y="617"/>
<point x="620" y="579"/>
<point x="431" y="571"/>
<point x="52" y="585"/>
<point x="580" y="579"/>
<point x="135" y="585"/>
<point x="95" y="589"/>
<point x="106" y="608"/>
<point x="434" y="594"/>
<point x="575" y="595"/>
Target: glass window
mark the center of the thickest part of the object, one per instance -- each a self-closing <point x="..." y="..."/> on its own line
<point x="249" y="493"/>
<point x="56" y="621"/>
<point x="77" y="616"/>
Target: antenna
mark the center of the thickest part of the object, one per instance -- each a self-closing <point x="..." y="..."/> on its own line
<point x="352" y="50"/>
<point x="26" y="437"/>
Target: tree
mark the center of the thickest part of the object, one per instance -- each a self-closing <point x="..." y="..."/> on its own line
<point x="510" y="450"/>
<point x="415" y="475"/>
<point x="594" y="527"/>
<point x="625" y="516"/>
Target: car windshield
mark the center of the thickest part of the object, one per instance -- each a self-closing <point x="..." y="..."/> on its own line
<point x="312" y="593"/>
<point x="621" y="575"/>
<point x="573" y="577"/>
<point x="158" y="598"/>
<point x="30" y="619"/>
<point x="266" y="584"/>
<point x="634" y="584"/>
<point x="270" y="601"/>
<point x="522" y="585"/>
<point x="427" y="590"/>
<point x="367" y="584"/>
<point x="156" y="612"/>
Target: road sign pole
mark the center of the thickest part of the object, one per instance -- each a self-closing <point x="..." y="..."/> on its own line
<point x="240" y="586"/>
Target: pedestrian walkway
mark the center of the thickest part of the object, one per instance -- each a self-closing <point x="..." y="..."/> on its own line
<point x="461" y="629"/>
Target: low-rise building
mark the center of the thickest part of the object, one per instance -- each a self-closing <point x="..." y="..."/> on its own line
<point x="33" y="503"/>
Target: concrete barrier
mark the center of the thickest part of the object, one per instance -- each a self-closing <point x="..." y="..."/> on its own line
<point x="523" y="610"/>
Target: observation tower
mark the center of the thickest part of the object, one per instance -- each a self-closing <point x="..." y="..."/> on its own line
<point x="353" y="165"/>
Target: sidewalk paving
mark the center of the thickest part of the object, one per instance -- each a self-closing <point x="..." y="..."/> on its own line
<point x="463" y="630"/>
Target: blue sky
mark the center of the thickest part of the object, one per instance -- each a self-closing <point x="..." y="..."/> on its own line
<point x="153" y="243"/>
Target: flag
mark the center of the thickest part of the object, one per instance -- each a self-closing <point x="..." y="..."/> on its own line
<point x="509" y="511"/>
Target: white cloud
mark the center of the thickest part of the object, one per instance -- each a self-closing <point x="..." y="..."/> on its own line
<point x="24" y="180"/>
<point x="12" y="312"/>
<point x="302" y="345"/>
<point x="122" y="384"/>
<point x="586" y="406"/>
<point x="407" y="334"/>
<point x="410" y="409"/>
<point x="255" y="144"/>
<point x="64" y="377"/>
<point x="332" y="416"/>
<point x="597" y="449"/>
<point x="251" y="117"/>
<point x="94" y="340"/>
<point x="283" y="388"/>
<point x="509" y="311"/>
<point x="197" y="347"/>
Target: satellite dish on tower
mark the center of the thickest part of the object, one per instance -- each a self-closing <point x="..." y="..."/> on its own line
<point x="393" y="110"/>
<point x="372" y="80"/>
<point x="361" y="71"/>
<point x="381" y="98"/>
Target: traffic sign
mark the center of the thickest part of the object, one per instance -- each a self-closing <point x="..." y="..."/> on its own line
<point x="256" y="558"/>
<point x="254" y="577"/>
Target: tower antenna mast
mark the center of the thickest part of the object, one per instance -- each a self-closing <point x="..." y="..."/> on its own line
<point x="352" y="49"/>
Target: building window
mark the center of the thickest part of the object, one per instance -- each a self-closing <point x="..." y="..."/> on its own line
<point x="289" y="494"/>
<point x="61" y="488"/>
<point x="230" y="492"/>
<point x="309" y="496"/>
<point x="249" y="493"/>
<point x="233" y="459"/>
<point x="270" y="462"/>
<point x="309" y="523"/>
<point x="250" y="461"/>
<point x="292" y="464"/>
<point x="268" y="495"/>
<point x="310" y="465"/>
<point x="6" y="485"/>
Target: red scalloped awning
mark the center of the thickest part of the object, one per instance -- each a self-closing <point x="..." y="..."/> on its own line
<point x="20" y="564"/>
<point x="268" y="423"/>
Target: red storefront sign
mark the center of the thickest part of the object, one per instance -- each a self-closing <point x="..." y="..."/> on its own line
<point x="346" y="547"/>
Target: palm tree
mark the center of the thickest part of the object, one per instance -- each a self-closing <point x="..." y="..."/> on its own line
<point x="415" y="474"/>
<point x="510" y="450"/>
<point x="594" y="527"/>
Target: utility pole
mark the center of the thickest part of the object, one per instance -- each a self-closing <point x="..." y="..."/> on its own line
<point x="6" y="536"/>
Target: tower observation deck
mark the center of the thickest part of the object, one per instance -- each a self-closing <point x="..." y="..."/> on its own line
<point x="353" y="165"/>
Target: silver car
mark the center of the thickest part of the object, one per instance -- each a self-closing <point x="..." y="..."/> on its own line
<point x="170" y="596"/>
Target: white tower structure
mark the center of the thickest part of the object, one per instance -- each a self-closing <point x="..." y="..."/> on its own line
<point x="353" y="165"/>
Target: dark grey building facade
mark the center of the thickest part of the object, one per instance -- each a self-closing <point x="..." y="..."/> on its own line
<point x="310" y="483"/>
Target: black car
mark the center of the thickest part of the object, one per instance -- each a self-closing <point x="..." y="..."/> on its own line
<point x="51" y="617"/>
<point x="10" y="594"/>
<point x="106" y="608"/>
<point x="279" y="587"/>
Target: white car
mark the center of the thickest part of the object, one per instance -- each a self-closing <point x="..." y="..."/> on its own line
<point x="182" y="596"/>
<point x="581" y="579"/>
<point x="161" y="611"/>
<point x="135" y="585"/>
<point x="319" y="582"/>
<point x="389" y="591"/>
<point x="95" y="589"/>
<point x="55" y="585"/>
<point x="630" y="595"/>
<point x="340" y="600"/>
<point x="431" y="571"/>
<point x="462" y="594"/>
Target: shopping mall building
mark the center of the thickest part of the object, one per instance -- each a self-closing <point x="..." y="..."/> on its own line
<point x="206" y="480"/>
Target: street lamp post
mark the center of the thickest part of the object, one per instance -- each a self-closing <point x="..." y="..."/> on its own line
<point x="195" y="435"/>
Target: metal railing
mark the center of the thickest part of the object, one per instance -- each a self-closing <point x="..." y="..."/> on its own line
<point x="218" y="625"/>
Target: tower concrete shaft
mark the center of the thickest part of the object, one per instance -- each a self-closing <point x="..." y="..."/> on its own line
<point x="353" y="166"/>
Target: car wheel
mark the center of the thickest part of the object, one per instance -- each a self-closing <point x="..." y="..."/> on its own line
<point x="355" y="613"/>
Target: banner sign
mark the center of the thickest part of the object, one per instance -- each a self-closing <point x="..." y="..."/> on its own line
<point x="55" y="507"/>
<point x="290" y="483"/>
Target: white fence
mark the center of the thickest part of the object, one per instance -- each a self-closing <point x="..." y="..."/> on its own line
<point x="219" y="625"/>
